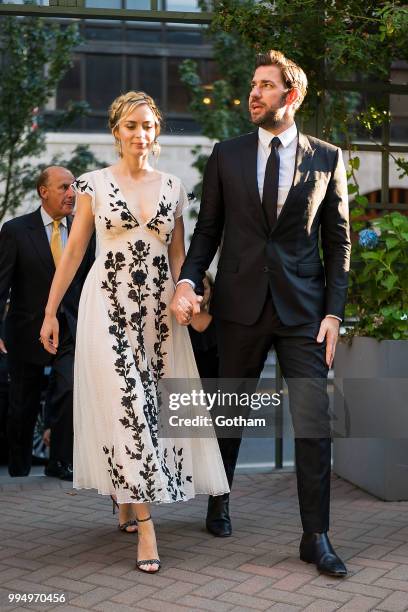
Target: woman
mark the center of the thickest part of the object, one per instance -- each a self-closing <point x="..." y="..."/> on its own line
<point x="127" y="339"/>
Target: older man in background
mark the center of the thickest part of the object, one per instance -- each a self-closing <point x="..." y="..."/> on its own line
<point x="30" y="248"/>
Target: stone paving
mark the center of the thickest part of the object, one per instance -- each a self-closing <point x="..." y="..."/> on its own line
<point x="56" y="540"/>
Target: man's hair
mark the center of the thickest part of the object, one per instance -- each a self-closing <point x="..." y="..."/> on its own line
<point x="292" y="74"/>
<point x="42" y="180"/>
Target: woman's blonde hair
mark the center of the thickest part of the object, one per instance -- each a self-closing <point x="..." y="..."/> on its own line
<point x="125" y="104"/>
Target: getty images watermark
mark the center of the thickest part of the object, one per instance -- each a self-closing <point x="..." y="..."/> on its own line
<point x="220" y="400"/>
<point x="195" y="408"/>
<point x="349" y="408"/>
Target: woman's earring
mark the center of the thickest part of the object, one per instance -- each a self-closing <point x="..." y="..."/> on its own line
<point x="119" y="146"/>
<point x="155" y="148"/>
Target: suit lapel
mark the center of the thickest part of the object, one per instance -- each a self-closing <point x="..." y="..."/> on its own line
<point x="40" y="242"/>
<point x="303" y="164"/>
<point x="249" y="159"/>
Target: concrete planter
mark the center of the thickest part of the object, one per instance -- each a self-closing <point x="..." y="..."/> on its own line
<point x="371" y="413"/>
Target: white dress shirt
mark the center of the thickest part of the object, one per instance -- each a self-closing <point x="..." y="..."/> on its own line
<point x="287" y="155"/>
<point x="47" y="220"/>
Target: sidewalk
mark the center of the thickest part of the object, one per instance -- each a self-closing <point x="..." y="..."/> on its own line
<point x="56" y="540"/>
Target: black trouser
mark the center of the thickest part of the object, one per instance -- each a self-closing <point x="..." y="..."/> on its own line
<point x="242" y="353"/>
<point x="26" y="381"/>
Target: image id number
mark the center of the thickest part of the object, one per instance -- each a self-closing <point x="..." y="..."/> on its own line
<point x="36" y="597"/>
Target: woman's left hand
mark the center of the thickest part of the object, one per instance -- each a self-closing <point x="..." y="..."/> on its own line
<point x="49" y="334"/>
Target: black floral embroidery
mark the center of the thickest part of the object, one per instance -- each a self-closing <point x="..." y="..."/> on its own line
<point x="114" y="263"/>
<point x="175" y="489"/>
<point x="139" y="291"/>
<point x="120" y="205"/>
<point x="162" y="330"/>
<point x="162" y="215"/>
<point x="82" y="186"/>
<point x="113" y="469"/>
<point x="146" y="278"/>
<point x="178" y="464"/>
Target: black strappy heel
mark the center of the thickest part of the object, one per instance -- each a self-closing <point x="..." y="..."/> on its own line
<point x="147" y="561"/>
<point x="123" y="526"/>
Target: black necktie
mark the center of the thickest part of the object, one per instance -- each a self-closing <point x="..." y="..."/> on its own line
<point x="271" y="183"/>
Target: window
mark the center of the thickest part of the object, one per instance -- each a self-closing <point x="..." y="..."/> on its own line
<point x="70" y="86"/>
<point x="145" y="73"/>
<point x="103" y="80"/>
<point x="103" y="32"/>
<point x="182" y="5"/>
<point x="178" y="97"/>
<point x="138" y="56"/>
<point x="150" y="77"/>
<point x="137" y="5"/>
<point x="140" y="34"/>
<point x="113" y="4"/>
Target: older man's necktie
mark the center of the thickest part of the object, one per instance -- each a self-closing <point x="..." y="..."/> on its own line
<point x="271" y="183"/>
<point x="56" y="241"/>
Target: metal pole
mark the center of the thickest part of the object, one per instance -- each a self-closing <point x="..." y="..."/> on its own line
<point x="385" y="163"/>
<point x="279" y="418"/>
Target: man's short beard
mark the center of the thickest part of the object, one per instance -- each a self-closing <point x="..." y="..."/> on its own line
<point x="271" y="119"/>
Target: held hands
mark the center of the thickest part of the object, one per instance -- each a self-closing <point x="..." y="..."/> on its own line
<point x="185" y="303"/>
<point x="3" y="347"/>
<point x="49" y="334"/>
<point x="329" y="329"/>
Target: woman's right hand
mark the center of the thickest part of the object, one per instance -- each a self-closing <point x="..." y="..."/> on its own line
<point x="49" y="334"/>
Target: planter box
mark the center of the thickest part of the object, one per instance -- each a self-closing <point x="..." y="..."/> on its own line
<point x="371" y="411"/>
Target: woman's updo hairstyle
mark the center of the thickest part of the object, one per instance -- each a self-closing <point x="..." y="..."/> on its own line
<point x="125" y="104"/>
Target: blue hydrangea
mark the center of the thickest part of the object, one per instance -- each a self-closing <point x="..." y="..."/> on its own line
<point x="368" y="239"/>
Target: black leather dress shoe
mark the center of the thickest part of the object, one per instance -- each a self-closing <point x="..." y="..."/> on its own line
<point x="17" y="469"/>
<point x="67" y="473"/>
<point x="316" y="548"/>
<point x="57" y="469"/>
<point x="218" y="520"/>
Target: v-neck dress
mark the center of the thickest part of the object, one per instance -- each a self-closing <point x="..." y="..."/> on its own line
<point x="127" y="342"/>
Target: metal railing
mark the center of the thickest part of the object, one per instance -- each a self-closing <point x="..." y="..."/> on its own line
<point x="382" y="90"/>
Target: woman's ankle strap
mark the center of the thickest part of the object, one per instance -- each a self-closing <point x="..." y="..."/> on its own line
<point x="145" y="519"/>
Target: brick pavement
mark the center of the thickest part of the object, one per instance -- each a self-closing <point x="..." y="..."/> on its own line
<point x="56" y="540"/>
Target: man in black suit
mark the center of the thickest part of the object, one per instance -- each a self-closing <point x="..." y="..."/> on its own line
<point x="30" y="247"/>
<point x="271" y="196"/>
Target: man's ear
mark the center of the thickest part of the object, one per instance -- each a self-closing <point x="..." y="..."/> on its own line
<point x="43" y="189"/>
<point x="292" y="96"/>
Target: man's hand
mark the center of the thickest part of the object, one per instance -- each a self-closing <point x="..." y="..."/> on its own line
<point x="185" y="303"/>
<point x="47" y="437"/>
<point x="329" y="329"/>
<point x="2" y="347"/>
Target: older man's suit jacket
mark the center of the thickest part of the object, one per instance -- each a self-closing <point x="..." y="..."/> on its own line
<point x="26" y="272"/>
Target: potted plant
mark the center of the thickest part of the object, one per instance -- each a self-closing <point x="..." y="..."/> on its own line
<point x="371" y="364"/>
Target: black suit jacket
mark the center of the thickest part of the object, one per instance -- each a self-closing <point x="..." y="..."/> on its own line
<point x="27" y="269"/>
<point x="285" y="257"/>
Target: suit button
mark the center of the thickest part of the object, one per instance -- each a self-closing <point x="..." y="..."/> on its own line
<point x="266" y="269"/>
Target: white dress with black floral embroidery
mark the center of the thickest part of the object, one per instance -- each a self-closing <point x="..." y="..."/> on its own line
<point x="127" y="341"/>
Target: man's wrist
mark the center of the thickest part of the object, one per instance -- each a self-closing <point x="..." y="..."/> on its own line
<point x="186" y="280"/>
<point x="330" y="316"/>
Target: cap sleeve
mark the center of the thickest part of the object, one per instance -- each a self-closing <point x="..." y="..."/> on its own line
<point x="183" y="202"/>
<point x="85" y="184"/>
